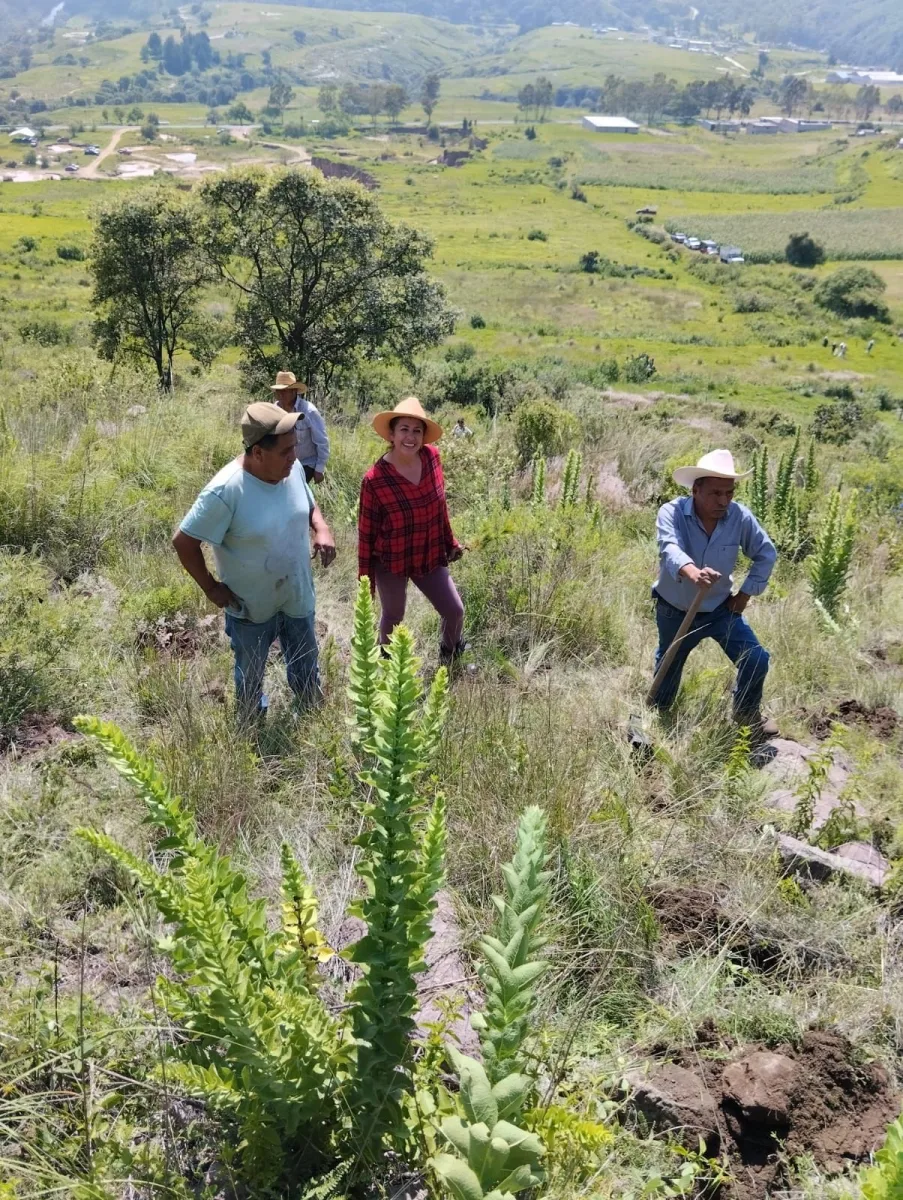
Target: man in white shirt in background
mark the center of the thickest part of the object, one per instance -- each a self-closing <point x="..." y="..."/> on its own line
<point x="263" y="524"/>
<point x="311" y="440"/>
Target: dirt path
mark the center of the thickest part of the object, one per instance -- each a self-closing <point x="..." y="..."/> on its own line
<point x="91" y="171"/>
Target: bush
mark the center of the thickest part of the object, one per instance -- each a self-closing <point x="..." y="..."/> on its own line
<point x="639" y="368"/>
<point x="577" y="193"/>
<point x="530" y="133"/>
<point x="294" y="129"/>
<point x="854" y="292"/>
<point x="751" y="302"/>
<point x="537" y="235"/>
<point x="838" y="423"/>
<point x="26" y="244"/>
<point x="44" y="331"/>
<point x="477" y="321"/>
<point x="804" y="251"/>
<point x="541" y="429"/>
<point x="70" y="253"/>
<point x="148" y="131"/>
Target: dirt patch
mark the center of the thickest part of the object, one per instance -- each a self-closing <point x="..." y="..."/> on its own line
<point x="694" y="919"/>
<point x="882" y="720"/>
<point x="35" y="732"/>
<point x="816" y="1099"/>
<point x="611" y="488"/>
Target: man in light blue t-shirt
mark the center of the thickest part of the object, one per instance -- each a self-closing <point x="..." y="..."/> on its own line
<point x="258" y="515"/>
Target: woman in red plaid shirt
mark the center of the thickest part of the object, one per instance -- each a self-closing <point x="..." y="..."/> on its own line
<point x="403" y="527"/>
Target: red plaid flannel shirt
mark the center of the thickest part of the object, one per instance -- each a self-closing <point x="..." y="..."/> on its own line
<point x="403" y="527"/>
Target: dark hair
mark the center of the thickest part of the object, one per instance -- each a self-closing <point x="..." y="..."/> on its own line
<point x="269" y="441"/>
<point x="395" y="421"/>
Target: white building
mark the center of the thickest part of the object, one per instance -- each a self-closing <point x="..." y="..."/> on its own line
<point x="611" y="124"/>
<point x="862" y="75"/>
<point x="22" y="135"/>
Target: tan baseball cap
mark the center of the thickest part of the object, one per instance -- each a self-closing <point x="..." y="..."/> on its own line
<point x="263" y="418"/>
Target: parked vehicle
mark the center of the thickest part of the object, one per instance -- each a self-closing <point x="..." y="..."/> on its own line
<point x="693" y="243"/>
<point x="72" y="168"/>
<point x="92" y="150"/>
<point x="680" y="238"/>
<point x="732" y="255"/>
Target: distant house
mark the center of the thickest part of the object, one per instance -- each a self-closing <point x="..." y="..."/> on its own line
<point x="798" y="125"/>
<point x="611" y="124"/>
<point x="719" y="126"/>
<point x="23" y="135"/>
<point x="858" y="75"/>
<point x="760" y="127"/>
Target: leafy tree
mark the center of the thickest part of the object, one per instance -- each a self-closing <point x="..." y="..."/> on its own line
<point x="148" y="272"/>
<point x="328" y="98"/>
<point x="868" y="98"/>
<point x="793" y="93"/>
<point x="300" y="36"/>
<point x="854" y="292"/>
<point x="429" y="94"/>
<point x="281" y="95"/>
<point x="396" y="98"/>
<point x="239" y="113"/>
<point x="148" y="131"/>
<point x="541" y="429"/>
<point x="804" y="251"/>
<point x="324" y="278"/>
<point x="895" y="105"/>
<point x="545" y="95"/>
<point x="175" y="60"/>
<point x="526" y="99"/>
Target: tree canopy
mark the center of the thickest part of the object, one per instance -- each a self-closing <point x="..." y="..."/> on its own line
<point x="323" y="278"/>
<point x="854" y="292"/>
<point x="804" y="251"/>
<point x="148" y="271"/>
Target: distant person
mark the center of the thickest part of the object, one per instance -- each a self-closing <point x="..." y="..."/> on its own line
<point x="262" y="521"/>
<point x="871" y="346"/>
<point x="834" y="349"/>
<point x="461" y="430"/>
<point x="403" y="527"/>
<point x="824" y="342"/>
<point x="311" y="440"/>
<point x="699" y="538"/>
<point x="842" y="350"/>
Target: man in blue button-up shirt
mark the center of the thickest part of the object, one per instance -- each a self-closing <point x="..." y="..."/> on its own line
<point x="699" y="538"/>
<point x="311" y="439"/>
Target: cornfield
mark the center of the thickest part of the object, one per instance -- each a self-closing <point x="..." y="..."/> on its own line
<point x="860" y="233"/>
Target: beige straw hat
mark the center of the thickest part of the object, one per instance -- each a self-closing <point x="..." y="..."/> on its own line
<point x="718" y="464"/>
<point x="285" y="380"/>
<point x="409" y="407"/>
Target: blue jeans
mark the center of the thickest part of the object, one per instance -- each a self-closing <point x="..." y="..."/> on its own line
<point x="735" y="637"/>
<point x="251" y="643"/>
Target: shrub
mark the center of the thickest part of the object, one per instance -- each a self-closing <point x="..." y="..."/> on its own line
<point x="884" y="1180"/>
<point x="577" y="193"/>
<point x="751" y="302"/>
<point x="537" y="235"/>
<point x="27" y="243"/>
<point x="45" y="331"/>
<point x="541" y="429"/>
<point x="70" y="253"/>
<point x="477" y="321"/>
<point x="589" y="261"/>
<point x="838" y="423"/>
<point x="854" y="292"/>
<point x="530" y="133"/>
<point x="639" y="368"/>
<point x="804" y="251"/>
<point x="149" y="131"/>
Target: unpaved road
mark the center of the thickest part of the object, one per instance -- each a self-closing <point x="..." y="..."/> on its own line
<point x="91" y="171"/>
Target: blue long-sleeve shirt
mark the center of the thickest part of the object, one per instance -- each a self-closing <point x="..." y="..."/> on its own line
<point x="311" y="439"/>
<point x="682" y="539"/>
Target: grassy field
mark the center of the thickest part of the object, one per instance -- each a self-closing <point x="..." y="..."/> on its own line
<point x="679" y="939"/>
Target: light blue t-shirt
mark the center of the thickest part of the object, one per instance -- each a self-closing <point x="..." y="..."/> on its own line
<point x="260" y="538"/>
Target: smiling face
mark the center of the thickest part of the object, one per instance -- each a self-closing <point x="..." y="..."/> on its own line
<point x="712" y="497"/>
<point x="407" y="436"/>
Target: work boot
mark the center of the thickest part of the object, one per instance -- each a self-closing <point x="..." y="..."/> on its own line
<point x="448" y="657"/>
<point x="761" y="729"/>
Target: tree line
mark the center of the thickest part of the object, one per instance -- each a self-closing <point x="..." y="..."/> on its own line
<point x="319" y="276"/>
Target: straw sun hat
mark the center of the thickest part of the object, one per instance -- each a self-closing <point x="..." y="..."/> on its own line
<point x="286" y="380"/>
<point x="718" y="464"/>
<point x="409" y="407"/>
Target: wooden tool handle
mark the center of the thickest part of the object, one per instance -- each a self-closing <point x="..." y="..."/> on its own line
<point x="668" y="657"/>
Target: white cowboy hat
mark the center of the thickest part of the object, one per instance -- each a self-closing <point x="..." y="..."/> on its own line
<point x="717" y="464"/>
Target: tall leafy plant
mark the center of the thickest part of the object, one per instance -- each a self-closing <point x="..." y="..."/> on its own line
<point x="490" y="1156"/>
<point x="304" y="1088"/>
<point x="829" y="567"/>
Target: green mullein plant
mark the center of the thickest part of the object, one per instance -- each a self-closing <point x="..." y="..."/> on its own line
<point x="304" y="1088"/>
<point x="758" y="484"/>
<point x="811" y="473"/>
<point x="884" y="1180"/>
<point x="784" y="481"/>
<point x="829" y="566"/>
<point x="570" y="488"/>
<point x="495" y="1157"/>
<point x="538" y="497"/>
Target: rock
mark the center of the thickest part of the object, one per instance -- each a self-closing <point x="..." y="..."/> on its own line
<point x="762" y="1085"/>
<point x="136" y="410"/>
<point x="875" y="866"/>
<point x="820" y="864"/>
<point x="788" y="767"/>
<point x="671" y="1097"/>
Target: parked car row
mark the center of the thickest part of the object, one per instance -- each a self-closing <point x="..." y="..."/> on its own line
<point x="727" y="254"/>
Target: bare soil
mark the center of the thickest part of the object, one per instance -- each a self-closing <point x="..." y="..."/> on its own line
<point x="882" y="721"/>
